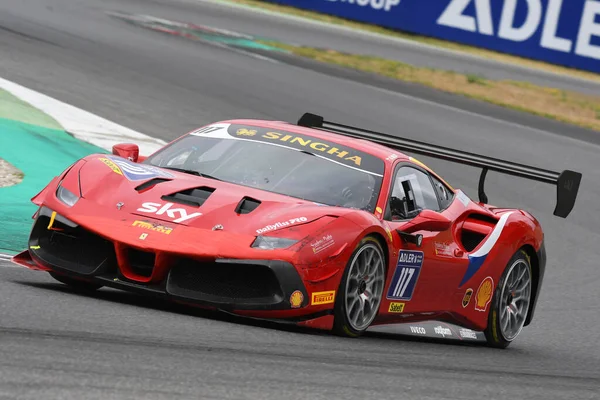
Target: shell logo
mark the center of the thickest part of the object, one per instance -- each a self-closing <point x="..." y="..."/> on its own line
<point x="296" y="299"/>
<point x="484" y="294"/>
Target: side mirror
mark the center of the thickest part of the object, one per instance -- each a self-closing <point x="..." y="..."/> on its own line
<point x="427" y="220"/>
<point x="129" y="151"/>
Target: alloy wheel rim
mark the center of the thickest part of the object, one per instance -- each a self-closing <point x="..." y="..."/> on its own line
<point x="515" y="299"/>
<point x="364" y="287"/>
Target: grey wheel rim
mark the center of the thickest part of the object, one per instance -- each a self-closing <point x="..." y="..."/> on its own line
<point x="364" y="286"/>
<point x="515" y="299"/>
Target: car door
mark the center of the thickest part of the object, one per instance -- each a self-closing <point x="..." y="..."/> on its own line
<point x="419" y="278"/>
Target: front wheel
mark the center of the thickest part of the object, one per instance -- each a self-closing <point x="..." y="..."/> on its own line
<point x="361" y="289"/>
<point x="511" y="301"/>
<point x="76" y="283"/>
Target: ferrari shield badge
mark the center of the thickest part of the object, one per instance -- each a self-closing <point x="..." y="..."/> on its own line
<point x="467" y="298"/>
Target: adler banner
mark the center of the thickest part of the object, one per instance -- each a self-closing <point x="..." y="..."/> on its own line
<point x="565" y="32"/>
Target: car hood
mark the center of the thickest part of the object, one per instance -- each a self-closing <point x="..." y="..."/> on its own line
<point x="149" y="193"/>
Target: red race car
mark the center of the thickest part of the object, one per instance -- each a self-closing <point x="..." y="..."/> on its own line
<point x="318" y="224"/>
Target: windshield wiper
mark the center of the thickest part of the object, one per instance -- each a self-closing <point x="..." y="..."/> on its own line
<point x="192" y="172"/>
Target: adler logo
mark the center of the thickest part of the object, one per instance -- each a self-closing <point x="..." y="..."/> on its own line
<point x="410" y="258"/>
<point x="177" y="214"/>
<point x="385" y="5"/>
<point x="544" y="15"/>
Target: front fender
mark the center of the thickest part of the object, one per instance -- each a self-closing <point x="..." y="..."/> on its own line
<point x="489" y="260"/>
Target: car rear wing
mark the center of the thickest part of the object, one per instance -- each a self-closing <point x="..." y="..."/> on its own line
<point x="567" y="182"/>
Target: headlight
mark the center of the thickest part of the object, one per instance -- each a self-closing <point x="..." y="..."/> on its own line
<point x="272" y="243"/>
<point x="66" y="196"/>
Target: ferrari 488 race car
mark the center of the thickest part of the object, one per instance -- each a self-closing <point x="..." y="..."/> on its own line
<point x="316" y="223"/>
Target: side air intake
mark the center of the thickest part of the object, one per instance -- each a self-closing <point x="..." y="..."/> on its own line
<point x="247" y="205"/>
<point x="194" y="197"/>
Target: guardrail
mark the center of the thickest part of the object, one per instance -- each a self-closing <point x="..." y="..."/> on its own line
<point x="564" y="32"/>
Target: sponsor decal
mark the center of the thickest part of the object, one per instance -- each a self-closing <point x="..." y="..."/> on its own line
<point x="484" y="294"/>
<point x="467" y="297"/>
<point x="245" y="132"/>
<point x="442" y="249"/>
<point x="296" y="299"/>
<point x="143" y="236"/>
<point x="378" y="211"/>
<point x="115" y="168"/>
<point x="440" y="330"/>
<point x="391" y="157"/>
<point x="385" y="5"/>
<point x="467" y="333"/>
<point x="309" y="143"/>
<point x="478" y="257"/>
<point x="35" y="247"/>
<point x="406" y="275"/>
<point x="134" y="171"/>
<point x="176" y="214"/>
<point x="338" y="153"/>
<point x="322" y="297"/>
<point x="282" y="224"/>
<point x="152" y="226"/>
<point x="396" y="308"/>
<point x="321" y="244"/>
<point x="418" y="330"/>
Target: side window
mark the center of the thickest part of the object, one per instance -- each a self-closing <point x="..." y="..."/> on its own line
<point x="411" y="193"/>
<point x="444" y="193"/>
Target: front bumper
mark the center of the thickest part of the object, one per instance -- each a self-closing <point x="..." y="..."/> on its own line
<point x="221" y="283"/>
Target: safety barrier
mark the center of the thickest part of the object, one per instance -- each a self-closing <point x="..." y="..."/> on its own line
<point x="565" y="32"/>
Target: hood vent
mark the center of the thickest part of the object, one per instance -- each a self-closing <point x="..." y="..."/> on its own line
<point x="247" y="205"/>
<point x="151" y="183"/>
<point x="192" y="197"/>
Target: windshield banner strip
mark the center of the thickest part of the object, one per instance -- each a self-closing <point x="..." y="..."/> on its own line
<point x="340" y="154"/>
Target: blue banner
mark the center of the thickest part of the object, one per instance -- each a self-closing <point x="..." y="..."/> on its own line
<point x="565" y="32"/>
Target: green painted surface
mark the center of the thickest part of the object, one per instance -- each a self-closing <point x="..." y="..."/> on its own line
<point x="35" y="144"/>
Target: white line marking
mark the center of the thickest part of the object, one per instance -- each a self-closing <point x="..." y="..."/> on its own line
<point x="6" y="258"/>
<point x="82" y="124"/>
<point x="393" y="39"/>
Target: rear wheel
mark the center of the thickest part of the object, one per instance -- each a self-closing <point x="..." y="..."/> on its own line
<point x="361" y="289"/>
<point x="76" y="283"/>
<point x="511" y="301"/>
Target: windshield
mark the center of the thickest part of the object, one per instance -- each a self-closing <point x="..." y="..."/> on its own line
<point x="277" y="161"/>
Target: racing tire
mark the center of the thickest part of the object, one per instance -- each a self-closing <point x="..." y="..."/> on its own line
<point x="511" y="301"/>
<point x="79" y="285"/>
<point x="361" y="289"/>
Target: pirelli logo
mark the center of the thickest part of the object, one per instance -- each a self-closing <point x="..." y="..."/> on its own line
<point x="322" y="298"/>
<point x="153" y="227"/>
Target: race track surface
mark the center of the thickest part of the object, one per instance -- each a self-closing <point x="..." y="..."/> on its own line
<point x="58" y="344"/>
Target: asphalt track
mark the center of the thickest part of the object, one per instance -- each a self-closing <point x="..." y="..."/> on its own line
<point x="59" y="344"/>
